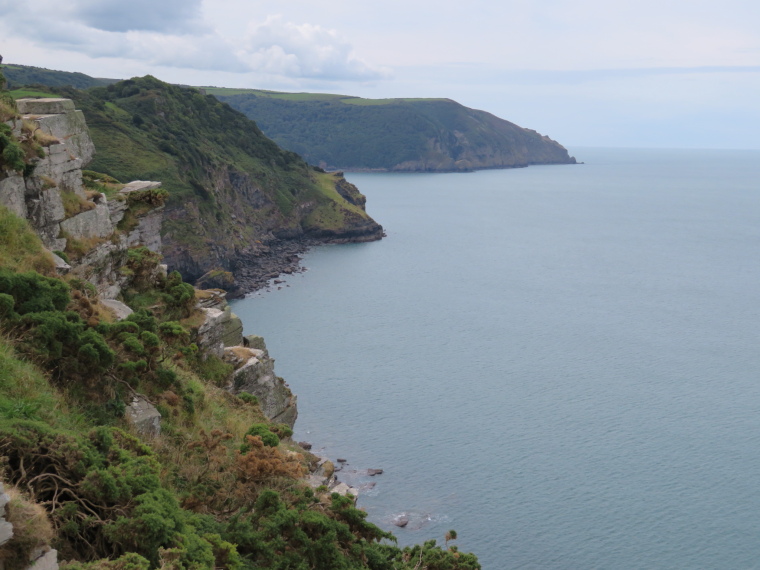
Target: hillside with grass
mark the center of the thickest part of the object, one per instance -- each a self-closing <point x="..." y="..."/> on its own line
<point x="234" y="195"/>
<point x="21" y="75"/>
<point x="219" y="486"/>
<point x="339" y="132"/>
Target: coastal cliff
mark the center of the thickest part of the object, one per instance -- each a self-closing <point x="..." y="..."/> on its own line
<point x="239" y="208"/>
<point x="394" y="135"/>
<point x="140" y="429"/>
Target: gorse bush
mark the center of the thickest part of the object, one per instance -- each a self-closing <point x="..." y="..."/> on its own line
<point x="262" y="431"/>
<point x="34" y="293"/>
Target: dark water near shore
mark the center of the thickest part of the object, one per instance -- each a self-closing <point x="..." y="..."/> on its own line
<point x="561" y="362"/>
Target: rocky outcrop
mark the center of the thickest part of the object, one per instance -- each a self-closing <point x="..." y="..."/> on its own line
<point x="144" y="416"/>
<point x="254" y="374"/>
<point x="93" y="218"/>
<point x="221" y="328"/>
<point x="324" y="477"/>
<point x="120" y="310"/>
<point x="221" y="334"/>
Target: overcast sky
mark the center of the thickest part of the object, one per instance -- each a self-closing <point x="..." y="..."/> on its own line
<point x="649" y="73"/>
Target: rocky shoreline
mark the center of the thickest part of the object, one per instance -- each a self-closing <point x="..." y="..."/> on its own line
<point x="253" y="271"/>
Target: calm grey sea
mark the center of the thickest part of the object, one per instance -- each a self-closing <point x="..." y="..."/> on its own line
<point x="562" y="363"/>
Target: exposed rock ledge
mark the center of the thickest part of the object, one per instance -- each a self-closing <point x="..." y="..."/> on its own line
<point x="221" y="334"/>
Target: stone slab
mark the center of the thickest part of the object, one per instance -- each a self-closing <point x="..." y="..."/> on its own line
<point x="91" y="223"/>
<point x="138" y="185"/>
<point x="120" y="310"/>
<point x="48" y="561"/>
<point x="44" y="106"/>
<point x="144" y="415"/>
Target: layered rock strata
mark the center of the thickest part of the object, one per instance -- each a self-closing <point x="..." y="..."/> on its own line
<point x="58" y="177"/>
<point x="221" y="334"/>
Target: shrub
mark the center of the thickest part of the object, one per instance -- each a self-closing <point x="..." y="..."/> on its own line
<point x="64" y="343"/>
<point x="248" y="398"/>
<point x="34" y="293"/>
<point x="267" y="437"/>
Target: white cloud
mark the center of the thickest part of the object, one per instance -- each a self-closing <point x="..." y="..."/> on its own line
<point x="278" y="47"/>
<point x="150" y="15"/>
<point x="171" y="35"/>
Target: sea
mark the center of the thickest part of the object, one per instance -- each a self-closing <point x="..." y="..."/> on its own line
<point x="561" y="363"/>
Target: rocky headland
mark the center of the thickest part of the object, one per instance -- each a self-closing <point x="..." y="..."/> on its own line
<point x="393" y="135"/>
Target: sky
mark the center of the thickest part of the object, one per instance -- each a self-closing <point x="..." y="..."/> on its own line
<point x="649" y="73"/>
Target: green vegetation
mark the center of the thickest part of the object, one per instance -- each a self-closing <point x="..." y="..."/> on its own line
<point x="215" y="490"/>
<point x="274" y="94"/>
<point x="18" y="75"/>
<point x="31" y="93"/>
<point x="391" y="134"/>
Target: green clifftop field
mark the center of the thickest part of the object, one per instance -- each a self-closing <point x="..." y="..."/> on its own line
<point x="350" y="133"/>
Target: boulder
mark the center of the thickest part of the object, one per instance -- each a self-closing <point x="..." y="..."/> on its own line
<point x="326" y="469"/>
<point x="47" y="561"/>
<point x="139" y="185"/>
<point x="342" y="489"/>
<point x="401" y="520"/>
<point x="373" y="472"/>
<point x="120" y="310"/>
<point x="255" y="341"/>
<point x="144" y="416"/>
<point x="61" y="267"/>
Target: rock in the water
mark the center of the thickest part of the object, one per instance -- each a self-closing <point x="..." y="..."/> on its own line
<point x="373" y="472"/>
<point x="401" y="520"/>
<point x="341" y="460"/>
<point x="306" y="445"/>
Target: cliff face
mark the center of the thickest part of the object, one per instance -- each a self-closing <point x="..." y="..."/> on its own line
<point x="430" y="135"/>
<point x="237" y="202"/>
<point x="67" y="217"/>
